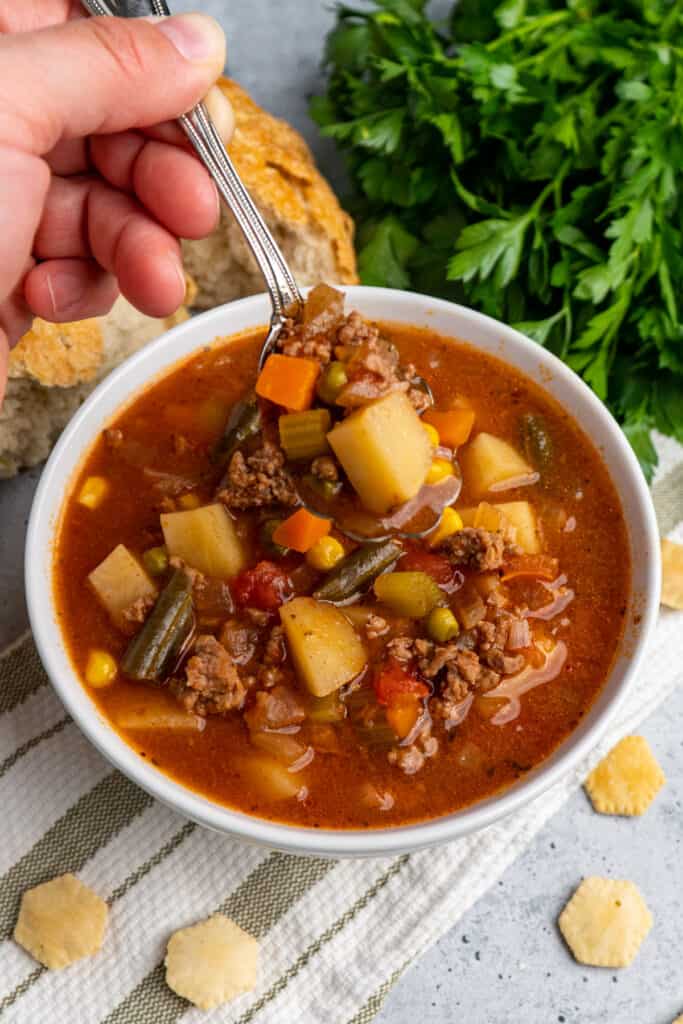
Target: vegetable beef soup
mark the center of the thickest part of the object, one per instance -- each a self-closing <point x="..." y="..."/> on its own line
<point x="374" y="582"/>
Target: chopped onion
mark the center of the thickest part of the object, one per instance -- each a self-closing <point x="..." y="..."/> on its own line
<point x="519" y="636"/>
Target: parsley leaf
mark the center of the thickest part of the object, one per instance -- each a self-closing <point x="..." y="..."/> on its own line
<point x="526" y="158"/>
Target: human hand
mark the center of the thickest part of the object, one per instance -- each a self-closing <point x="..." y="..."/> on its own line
<point x="95" y="187"/>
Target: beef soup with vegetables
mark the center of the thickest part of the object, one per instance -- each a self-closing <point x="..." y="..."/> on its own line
<point x="374" y="582"/>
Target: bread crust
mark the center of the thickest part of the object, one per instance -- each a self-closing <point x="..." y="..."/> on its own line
<point x="300" y="208"/>
<point x="278" y="168"/>
<point x="58" y="355"/>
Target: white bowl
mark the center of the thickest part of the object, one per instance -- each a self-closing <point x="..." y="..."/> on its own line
<point x="381" y="304"/>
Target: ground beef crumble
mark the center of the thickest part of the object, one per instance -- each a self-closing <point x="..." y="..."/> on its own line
<point x="136" y="613"/>
<point x="477" y="549"/>
<point x="473" y="663"/>
<point x="257" y="480"/>
<point x="373" y="366"/>
<point x="314" y="336"/>
<point x="239" y="641"/>
<point x="412" y="758"/>
<point x="212" y="684"/>
<point x="293" y="342"/>
<point x="375" y="627"/>
<point x="270" y="672"/>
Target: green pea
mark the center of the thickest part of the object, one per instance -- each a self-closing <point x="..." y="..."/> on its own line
<point x="327" y="489"/>
<point x="332" y="380"/>
<point x="442" y="625"/>
<point x="155" y="561"/>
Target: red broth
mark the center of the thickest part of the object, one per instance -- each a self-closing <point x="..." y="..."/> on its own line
<point x="171" y="429"/>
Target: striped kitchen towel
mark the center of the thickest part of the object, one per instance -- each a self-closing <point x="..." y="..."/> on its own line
<point x="64" y="809"/>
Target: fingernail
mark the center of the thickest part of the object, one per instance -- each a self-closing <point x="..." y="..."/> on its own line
<point x="178" y="267"/>
<point x="65" y="290"/>
<point x="196" y="37"/>
<point x="221" y="112"/>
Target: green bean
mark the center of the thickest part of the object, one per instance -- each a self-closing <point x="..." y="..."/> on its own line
<point x="358" y="570"/>
<point x="303" y="435"/>
<point x="537" y="442"/>
<point x="244" y="422"/>
<point x="266" y="532"/>
<point x="328" y="710"/>
<point x="332" y="380"/>
<point x="376" y="734"/>
<point x="151" y="654"/>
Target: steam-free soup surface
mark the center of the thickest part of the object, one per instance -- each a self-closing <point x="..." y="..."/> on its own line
<point x="538" y="609"/>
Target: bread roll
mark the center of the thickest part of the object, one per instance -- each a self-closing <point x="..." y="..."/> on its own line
<point x="54" y="368"/>
<point x="300" y="208"/>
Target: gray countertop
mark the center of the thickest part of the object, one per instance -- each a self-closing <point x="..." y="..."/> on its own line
<point x="505" y="961"/>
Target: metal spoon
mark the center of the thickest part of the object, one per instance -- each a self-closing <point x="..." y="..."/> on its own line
<point x="285" y="297"/>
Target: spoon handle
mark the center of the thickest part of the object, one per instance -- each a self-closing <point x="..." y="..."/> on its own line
<point x="284" y="294"/>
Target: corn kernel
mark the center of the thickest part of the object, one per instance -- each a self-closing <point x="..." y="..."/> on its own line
<point x="188" y="501"/>
<point x="438" y="471"/>
<point x="325" y="554"/>
<point x="450" y="523"/>
<point x="101" y="669"/>
<point x="93" y="492"/>
<point x="432" y="433"/>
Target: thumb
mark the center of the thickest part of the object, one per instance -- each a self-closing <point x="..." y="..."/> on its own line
<point x="103" y="75"/>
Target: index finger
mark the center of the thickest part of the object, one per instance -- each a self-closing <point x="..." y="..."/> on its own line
<point x="104" y="75"/>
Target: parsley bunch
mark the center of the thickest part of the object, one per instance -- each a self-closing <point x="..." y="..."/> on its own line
<point x="527" y="159"/>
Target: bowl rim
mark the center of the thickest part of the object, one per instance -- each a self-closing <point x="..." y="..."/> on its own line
<point x="53" y="486"/>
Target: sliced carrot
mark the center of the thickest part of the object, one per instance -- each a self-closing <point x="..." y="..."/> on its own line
<point x="402" y="713"/>
<point x="301" y="530"/>
<point x="543" y="567"/>
<point x="288" y="381"/>
<point x="454" y="425"/>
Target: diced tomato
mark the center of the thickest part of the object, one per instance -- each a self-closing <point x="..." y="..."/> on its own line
<point x="435" y="565"/>
<point x="393" y="679"/>
<point x="265" y="586"/>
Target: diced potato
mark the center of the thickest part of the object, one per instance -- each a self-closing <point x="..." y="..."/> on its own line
<point x="522" y="517"/>
<point x="490" y="464"/>
<point x="206" y="539"/>
<point x="271" y="778"/>
<point x="384" y="450"/>
<point x="490" y="517"/>
<point x="158" y="713"/>
<point x="325" y="648"/>
<point x="467" y="515"/>
<point x="281" y="746"/>
<point x="93" y="492"/>
<point x="119" y="581"/>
